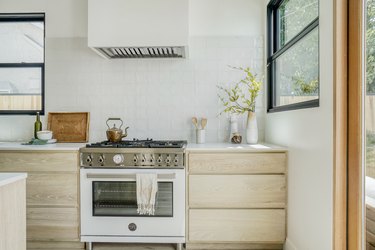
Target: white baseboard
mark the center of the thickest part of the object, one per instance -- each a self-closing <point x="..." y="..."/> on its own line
<point x="289" y="245"/>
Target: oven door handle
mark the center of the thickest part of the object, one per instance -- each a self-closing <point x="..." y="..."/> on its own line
<point x="126" y="176"/>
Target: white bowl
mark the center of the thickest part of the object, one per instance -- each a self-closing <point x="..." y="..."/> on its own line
<point x="44" y="135"/>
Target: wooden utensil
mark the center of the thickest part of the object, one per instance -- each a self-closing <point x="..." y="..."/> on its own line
<point x="195" y="122"/>
<point x="204" y="122"/>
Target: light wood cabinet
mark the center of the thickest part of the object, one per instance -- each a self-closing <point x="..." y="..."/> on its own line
<point x="52" y="189"/>
<point x="237" y="163"/>
<point x="52" y="223"/>
<point x="52" y="196"/>
<point x="236" y="200"/>
<point x="237" y="225"/>
<point x="236" y="191"/>
<point x="13" y="216"/>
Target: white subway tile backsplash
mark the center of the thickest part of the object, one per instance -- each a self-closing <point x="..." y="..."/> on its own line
<point x="259" y="42"/>
<point x="155" y="98"/>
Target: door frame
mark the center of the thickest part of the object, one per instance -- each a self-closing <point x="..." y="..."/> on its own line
<point x="340" y="118"/>
<point x="355" y="124"/>
<point x="348" y="125"/>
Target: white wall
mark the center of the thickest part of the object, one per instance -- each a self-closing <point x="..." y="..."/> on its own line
<point x="67" y="18"/>
<point x="156" y="98"/>
<point x="226" y="18"/>
<point x="308" y="134"/>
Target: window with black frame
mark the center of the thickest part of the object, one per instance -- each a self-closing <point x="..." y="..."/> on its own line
<point x="293" y="54"/>
<point x="22" y="63"/>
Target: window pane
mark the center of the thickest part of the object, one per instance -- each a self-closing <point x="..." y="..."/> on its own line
<point x="20" y="89"/>
<point x="297" y="71"/>
<point x="295" y="15"/>
<point x="20" y="81"/>
<point x="21" y="42"/>
<point x="30" y="102"/>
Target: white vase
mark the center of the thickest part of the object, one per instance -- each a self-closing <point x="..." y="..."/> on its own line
<point x="251" y="128"/>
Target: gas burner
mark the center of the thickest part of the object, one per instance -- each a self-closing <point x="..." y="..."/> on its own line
<point x="136" y="143"/>
<point x="136" y="139"/>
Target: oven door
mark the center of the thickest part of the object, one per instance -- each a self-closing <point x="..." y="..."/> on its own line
<point x="109" y="204"/>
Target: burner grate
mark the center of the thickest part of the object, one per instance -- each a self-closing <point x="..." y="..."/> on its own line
<point x="135" y="143"/>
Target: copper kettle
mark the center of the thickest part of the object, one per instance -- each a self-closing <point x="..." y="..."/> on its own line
<point x="115" y="134"/>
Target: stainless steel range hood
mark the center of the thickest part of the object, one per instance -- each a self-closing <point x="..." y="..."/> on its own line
<point x="138" y="28"/>
<point x="142" y="52"/>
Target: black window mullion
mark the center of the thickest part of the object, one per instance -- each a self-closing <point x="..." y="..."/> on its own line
<point x="22" y="17"/>
<point x="296" y="39"/>
<point x="279" y="3"/>
<point x="298" y="105"/>
<point x="21" y="65"/>
<point x="270" y="75"/>
<point x="43" y="88"/>
<point x="274" y="90"/>
<point x="269" y="33"/>
<point x="276" y="31"/>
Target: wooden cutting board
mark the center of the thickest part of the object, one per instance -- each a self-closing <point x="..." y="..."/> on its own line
<point x="69" y="126"/>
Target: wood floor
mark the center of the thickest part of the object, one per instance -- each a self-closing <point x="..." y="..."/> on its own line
<point x="127" y="246"/>
<point x="113" y="246"/>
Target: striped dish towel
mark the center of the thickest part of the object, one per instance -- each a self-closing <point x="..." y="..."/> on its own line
<point x="147" y="187"/>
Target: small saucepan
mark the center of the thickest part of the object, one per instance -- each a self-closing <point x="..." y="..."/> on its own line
<point x="115" y="134"/>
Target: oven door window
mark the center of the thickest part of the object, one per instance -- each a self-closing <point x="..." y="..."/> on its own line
<point x="111" y="198"/>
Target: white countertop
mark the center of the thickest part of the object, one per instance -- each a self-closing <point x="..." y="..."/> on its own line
<point x="7" y="178"/>
<point x="261" y="147"/>
<point x="191" y="147"/>
<point x="53" y="146"/>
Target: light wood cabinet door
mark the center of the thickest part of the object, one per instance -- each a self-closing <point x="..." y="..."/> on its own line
<point x="38" y="161"/>
<point x="237" y="163"/>
<point x="237" y="225"/>
<point x="52" y="195"/>
<point x="55" y="189"/>
<point x="52" y="224"/>
<point x="237" y="191"/>
<point x="13" y="216"/>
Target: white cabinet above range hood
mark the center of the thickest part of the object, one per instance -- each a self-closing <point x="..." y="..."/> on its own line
<point x="138" y="28"/>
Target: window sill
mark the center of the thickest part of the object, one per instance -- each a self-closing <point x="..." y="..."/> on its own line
<point x="294" y="106"/>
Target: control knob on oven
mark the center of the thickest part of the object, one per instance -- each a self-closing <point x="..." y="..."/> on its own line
<point x="168" y="159"/>
<point x="159" y="159"/>
<point x="89" y="159"/>
<point x="176" y="160"/>
<point x="135" y="159"/>
<point x="101" y="159"/>
<point x="118" y="159"/>
<point x="152" y="158"/>
<point x="143" y="159"/>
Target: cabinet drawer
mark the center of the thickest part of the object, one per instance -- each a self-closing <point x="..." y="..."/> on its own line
<point x="35" y="161"/>
<point x="237" y="191"/>
<point x="237" y="163"/>
<point x="55" y="224"/>
<point x="237" y="225"/>
<point x="52" y="189"/>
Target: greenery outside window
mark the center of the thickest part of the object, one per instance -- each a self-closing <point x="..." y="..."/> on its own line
<point x="292" y="54"/>
<point x="22" y="39"/>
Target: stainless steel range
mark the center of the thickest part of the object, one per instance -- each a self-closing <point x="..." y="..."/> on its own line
<point x="108" y="192"/>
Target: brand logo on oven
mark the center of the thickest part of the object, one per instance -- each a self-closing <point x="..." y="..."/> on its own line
<point x="132" y="227"/>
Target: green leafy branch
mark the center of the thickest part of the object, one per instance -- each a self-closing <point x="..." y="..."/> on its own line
<point x="241" y="98"/>
<point x="301" y="87"/>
